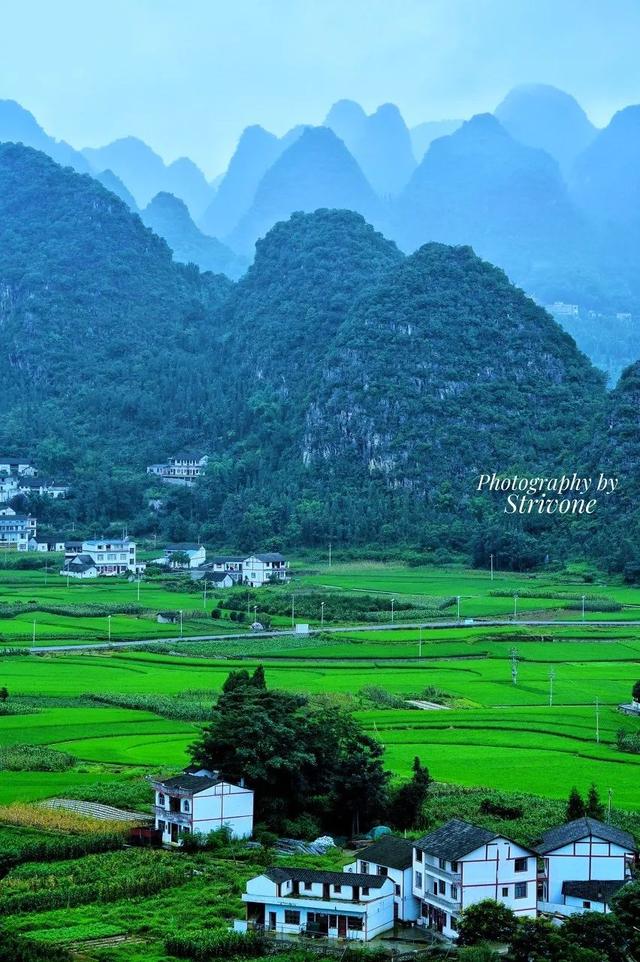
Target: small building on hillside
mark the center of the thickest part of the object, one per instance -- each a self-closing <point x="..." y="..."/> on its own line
<point x="391" y="857"/>
<point x="230" y="564"/>
<point x="196" y="553"/>
<point x="585" y="850"/>
<point x="262" y="569"/>
<point x="51" y="542"/>
<point x="80" y="566"/>
<point x="460" y="864"/>
<point x="17" y="531"/>
<point x="16" y="464"/>
<point x="30" y="486"/>
<point x="216" y="579"/>
<point x="303" y="901"/>
<point x="181" y="469"/>
<point x="8" y="487"/>
<point x="201" y="801"/>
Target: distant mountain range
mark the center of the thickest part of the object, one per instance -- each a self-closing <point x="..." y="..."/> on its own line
<point x="534" y="187"/>
<point x="342" y="389"/>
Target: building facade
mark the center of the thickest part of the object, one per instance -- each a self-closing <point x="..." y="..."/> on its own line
<point x="108" y="556"/>
<point x="201" y="802"/>
<point x="261" y="569"/>
<point x="585" y="850"/>
<point x="391" y="857"/>
<point x="337" y="905"/>
<point x="460" y="864"/>
<point x="17" y="531"/>
<point x="181" y="469"/>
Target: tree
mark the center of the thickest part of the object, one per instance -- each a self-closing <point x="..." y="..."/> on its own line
<point x="594" y="807"/>
<point x="4" y="694"/>
<point x="602" y="933"/>
<point x="626" y="908"/>
<point x="575" y="805"/>
<point x="537" y="940"/>
<point x="635" y="691"/>
<point x="486" y="921"/>
<point x="257" y="679"/>
<point x="179" y="559"/>
<point x="407" y="806"/>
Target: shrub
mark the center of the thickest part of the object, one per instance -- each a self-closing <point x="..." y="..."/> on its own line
<point x="628" y="742"/>
<point x="34" y="758"/>
<point x="202" y="946"/>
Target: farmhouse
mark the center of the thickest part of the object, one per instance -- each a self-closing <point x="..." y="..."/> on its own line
<point x="50" y="489"/>
<point x="391" y="857"/>
<point x="260" y="569"/>
<point x="589" y="896"/>
<point x="181" y="469"/>
<point x="201" y="801"/>
<point x="196" y="553"/>
<point x="108" y="556"/>
<point x="51" y="542"/>
<point x="584" y="850"/>
<point x="8" y="487"/>
<point x="17" y="464"/>
<point x="344" y="905"/>
<point x="17" y="531"/>
<point x="460" y="864"/>
<point x="217" y="579"/>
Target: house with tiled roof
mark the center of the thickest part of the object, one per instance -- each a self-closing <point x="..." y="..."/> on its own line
<point x="460" y="864"/>
<point x="201" y="801"/>
<point x="391" y="857"/>
<point x="303" y="901"/>
<point x="584" y="850"/>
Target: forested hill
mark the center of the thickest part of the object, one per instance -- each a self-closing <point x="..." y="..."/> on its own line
<point x="107" y="344"/>
<point x="340" y="388"/>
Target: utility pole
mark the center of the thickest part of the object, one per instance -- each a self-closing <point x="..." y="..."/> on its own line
<point x="204" y="601"/>
<point x="552" y="675"/>
<point x="138" y="587"/>
<point x="33" y="637"/>
<point x="109" y="625"/>
<point x="255" y="613"/>
<point x="420" y="642"/>
<point x="514" y="666"/>
<point x="583" y="598"/>
<point x="329" y="554"/>
<point x="598" y="720"/>
<point x="46" y="574"/>
<point x="322" y="614"/>
<point x="393" y="601"/>
<point x="181" y="623"/>
<point x="458" y="609"/>
<point x="515" y="606"/>
<point x="293" y="611"/>
<point x="492" y="567"/>
<point x="610" y="793"/>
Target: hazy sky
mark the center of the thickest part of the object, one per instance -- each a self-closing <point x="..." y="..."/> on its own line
<point x="187" y="76"/>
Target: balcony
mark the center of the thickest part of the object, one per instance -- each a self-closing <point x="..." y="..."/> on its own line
<point x="441" y="901"/>
<point x="178" y="818"/>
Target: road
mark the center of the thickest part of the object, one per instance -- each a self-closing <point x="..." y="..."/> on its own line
<point x="425" y="625"/>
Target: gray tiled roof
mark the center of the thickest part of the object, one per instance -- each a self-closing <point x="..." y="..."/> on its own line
<point x="455" y="839"/>
<point x="561" y="835"/>
<point x="332" y="878"/>
<point x="389" y="850"/>
<point x="190" y="783"/>
<point x="593" y="890"/>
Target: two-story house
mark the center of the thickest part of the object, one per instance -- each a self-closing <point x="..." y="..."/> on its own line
<point x="585" y="850"/>
<point x="17" y="464"/>
<point x="201" y="801"/>
<point x="181" y="469"/>
<point x="260" y="569"/>
<point x="391" y="857"/>
<point x="196" y="553"/>
<point x="338" y="905"/>
<point x="17" y="531"/>
<point x="459" y="864"/>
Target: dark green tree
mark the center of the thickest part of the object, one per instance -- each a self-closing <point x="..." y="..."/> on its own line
<point x="594" y="807"/>
<point x="626" y="908"/>
<point x="408" y="802"/>
<point x="599" y="932"/>
<point x="486" y="921"/>
<point x="635" y="691"/>
<point x="575" y="805"/>
<point x="4" y="693"/>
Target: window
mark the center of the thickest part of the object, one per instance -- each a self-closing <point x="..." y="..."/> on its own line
<point x="364" y="867"/>
<point x="160" y="798"/>
<point x="520" y="890"/>
<point x="520" y="865"/>
<point x="442" y="863"/>
<point x="354" y="923"/>
<point x="161" y="826"/>
<point x="291" y="918"/>
<point x="337" y="888"/>
<point x="418" y="880"/>
<point x="586" y="905"/>
<point x="307" y="886"/>
<point x="418" y="854"/>
<point x="365" y="889"/>
<point x="454" y="924"/>
<point x="383" y="870"/>
<point x="505" y="891"/>
<point x="455" y="867"/>
<point x="442" y="887"/>
<point x="454" y="892"/>
<point x="397" y="890"/>
<point x="186" y="807"/>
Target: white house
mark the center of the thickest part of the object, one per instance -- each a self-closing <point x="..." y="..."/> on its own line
<point x="109" y="556"/>
<point x="391" y="857"/>
<point x="230" y="564"/>
<point x="80" y="566"/>
<point x="216" y="579"/>
<point x="580" y="851"/>
<point x="50" y="489"/>
<point x="182" y="468"/>
<point x="201" y="801"/>
<point x="260" y="569"/>
<point x="338" y="905"/>
<point x="196" y="553"/>
<point x="8" y="487"/>
<point x="460" y="864"/>
<point x="52" y="542"/>
<point x="16" y="464"/>
<point x="17" y="531"/>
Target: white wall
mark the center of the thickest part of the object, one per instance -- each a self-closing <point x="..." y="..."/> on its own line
<point x="579" y="861"/>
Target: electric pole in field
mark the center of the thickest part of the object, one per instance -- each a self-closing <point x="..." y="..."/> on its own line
<point x="515" y="606"/>
<point x="329" y="554"/>
<point x="293" y="611"/>
<point x="458" y="606"/>
<point x="552" y="676"/>
<point x="492" y="567"/>
<point x="514" y="666"/>
<point x="420" y="642"/>
<point x="610" y="793"/>
<point x="598" y="720"/>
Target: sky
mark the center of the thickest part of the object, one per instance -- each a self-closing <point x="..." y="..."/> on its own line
<point x="186" y="76"/>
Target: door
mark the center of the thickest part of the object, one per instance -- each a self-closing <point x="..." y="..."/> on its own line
<point x="342" y="926"/>
<point x="272" y="921"/>
<point x="174" y="832"/>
